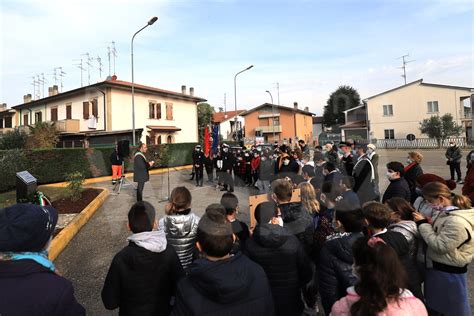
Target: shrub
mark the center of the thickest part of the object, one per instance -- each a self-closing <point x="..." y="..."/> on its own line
<point x="42" y="135"/>
<point x="53" y="165"/>
<point x="15" y="139"/>
<point x="74" y="186"/>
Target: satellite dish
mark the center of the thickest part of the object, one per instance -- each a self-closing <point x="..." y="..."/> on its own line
<point x="411" y="137"/>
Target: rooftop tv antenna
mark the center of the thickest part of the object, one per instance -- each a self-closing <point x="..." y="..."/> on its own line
<point x="405" y="62"/>
<point x="99" y="62"/>
<point x="113" y="54"/>
<point x="55" y="75"/>
<point x="42" y="81"/>
<point x="61" y="75"/>
<point x="79" y="65"/>
<point x="34" y="84"/>
<point x="278" y="91"/>
<point x="89" y="65"/>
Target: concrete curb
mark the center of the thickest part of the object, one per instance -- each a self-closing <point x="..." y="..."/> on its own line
<point x="60" y="242"/>
<point x="127" y="175"/>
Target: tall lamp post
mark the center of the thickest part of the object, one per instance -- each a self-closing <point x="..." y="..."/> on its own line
<point x="152" y="20"/>
<point x="273" y="115"/>
<point x="235" y="99"/>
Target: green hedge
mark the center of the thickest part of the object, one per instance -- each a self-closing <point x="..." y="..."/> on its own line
<point x="52" y="165"/>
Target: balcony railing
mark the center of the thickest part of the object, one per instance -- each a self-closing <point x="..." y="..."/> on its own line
<point x="269" y="129"/>
<point x="68" y="126"/>
<point x="466" y="114"/>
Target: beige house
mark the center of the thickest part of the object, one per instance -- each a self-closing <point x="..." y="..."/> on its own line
<point x="396" y="113"/>
<point x="101" y="114"/>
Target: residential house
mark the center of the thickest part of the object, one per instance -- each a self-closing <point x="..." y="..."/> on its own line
<point x="279" y="123"/>
<point x="396" y="113"/>
<point x="227" y="123"/>
<point x="7" y="119"/>
<point x="101" y="114"/>
<point x="355" y="126"/>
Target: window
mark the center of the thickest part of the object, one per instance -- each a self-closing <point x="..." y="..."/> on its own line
<point x="148" y="140"/>
<point x="151" y="110"/>
<point x="276" y="121"/>
<point x="389" y="134"/>
<point x="8" y="122"/>
<point x="158" y="111"/>
<point x="432" y="106"/>
<point x="169" y="111"/>
<point x="158" y="141"/>
<point x="95" y="108"/>
<point x="54" y="114"/>
<point x="68" y="112"/>
<point x="1" y="123"/>
<point x="387" y="110"/>
<point x="25" y="119"/>
<point x="38" y="117"/>
<point x="169" y="139"/>
<point x="85" y="110"/>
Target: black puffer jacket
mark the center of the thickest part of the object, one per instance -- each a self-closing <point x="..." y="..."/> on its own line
<point x="335" y="268"/>
<point x="286" y="264"/>
<point x="299" y="223"/>
<point x="235" y="286"/>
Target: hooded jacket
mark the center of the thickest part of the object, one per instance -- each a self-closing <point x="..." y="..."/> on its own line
<point x="299" y="223"/>
<point x="286" y="264"/>
<point x="409" y="230"/>
<point x="335" y="268"/>
<point x="235" y="286"/>
<point x="450" y="239"/>
<point x="181" y="231"/>
<point x="143" y="276"/>
<point x="27" y="288"/>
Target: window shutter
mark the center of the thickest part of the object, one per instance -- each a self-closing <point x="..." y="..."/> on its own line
<point x="25" y="120"/>
<point x="54" y="114"/>
<point x="151" y="110"/>
<point x="158" y="111"/>
<point x="8" y="122"/>
<point x="95" y="108"/>
<point x="68" y="112"/>
<point x="169" y="111"/>
<point x="85" y="110"/>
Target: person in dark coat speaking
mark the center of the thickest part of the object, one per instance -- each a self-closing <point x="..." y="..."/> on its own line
<point x="140" y="169"/>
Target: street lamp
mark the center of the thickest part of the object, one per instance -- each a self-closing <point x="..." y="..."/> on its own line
<point x="235" y="98"/>
<point x="150" y="22"/>
<point x="273" y="115"/>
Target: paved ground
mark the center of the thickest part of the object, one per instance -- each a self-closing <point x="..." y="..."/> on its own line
<point x="86" y="260"/>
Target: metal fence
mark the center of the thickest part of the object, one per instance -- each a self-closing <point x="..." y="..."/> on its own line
<point x="422" y="143"/>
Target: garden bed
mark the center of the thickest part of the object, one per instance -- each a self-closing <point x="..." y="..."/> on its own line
<point x="67" y="206"/>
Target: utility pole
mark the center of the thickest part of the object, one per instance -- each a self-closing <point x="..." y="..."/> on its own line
<point x="405" y="62"/>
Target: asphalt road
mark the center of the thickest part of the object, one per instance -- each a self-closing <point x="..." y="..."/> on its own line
<point x="87" y="258"/>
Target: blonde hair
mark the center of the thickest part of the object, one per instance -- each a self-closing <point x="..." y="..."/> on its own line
<point x="415" y="156"/>
<point x="435" y="190"/>
<point x="308" y="197"/>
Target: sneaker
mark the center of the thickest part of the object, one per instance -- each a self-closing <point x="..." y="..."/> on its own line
<point x="114" y="182"/>
<point x="460" y="182"/>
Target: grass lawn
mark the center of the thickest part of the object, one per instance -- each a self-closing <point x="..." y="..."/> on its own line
<point x="9" y="198"/>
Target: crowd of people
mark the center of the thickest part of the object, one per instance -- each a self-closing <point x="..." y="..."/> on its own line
<point x="342" y="244"/>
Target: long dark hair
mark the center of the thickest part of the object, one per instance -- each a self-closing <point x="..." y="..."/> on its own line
<point x="381" y="276"/>
<point x="403" y="209"/>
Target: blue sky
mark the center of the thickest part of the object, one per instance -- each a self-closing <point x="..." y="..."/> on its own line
<point x="309" y="47"/>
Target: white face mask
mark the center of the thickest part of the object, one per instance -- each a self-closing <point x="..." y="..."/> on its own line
<point x="369" y="151"/>
<point x="390" y="175"/>
<point x="286" y="162"/>
<point x="409" y="161"/>
<point x="264" y="158"/>
<point x="226" y="150"/>
<point x="452" y="145"/>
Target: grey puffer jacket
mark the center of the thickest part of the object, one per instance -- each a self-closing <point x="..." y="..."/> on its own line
<point x="410" y="231"/>
<point x="181" y="231"/>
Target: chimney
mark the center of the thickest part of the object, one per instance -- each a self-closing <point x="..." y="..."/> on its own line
<point x="55" y="90"/>
<point x="306" y="109"/>
<point x="114" y="77"/>
<point x="27" y="98"/>
<point x="295" y="105"/>
<point x="50" y="91"/>
<point x="3" y="107"/>
<point x="183" y="89"/>
<point x="191" y="91"/>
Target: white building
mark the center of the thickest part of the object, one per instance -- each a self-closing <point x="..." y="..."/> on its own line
<point x="101" y="113"/>
<point x="226" y="122"/>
